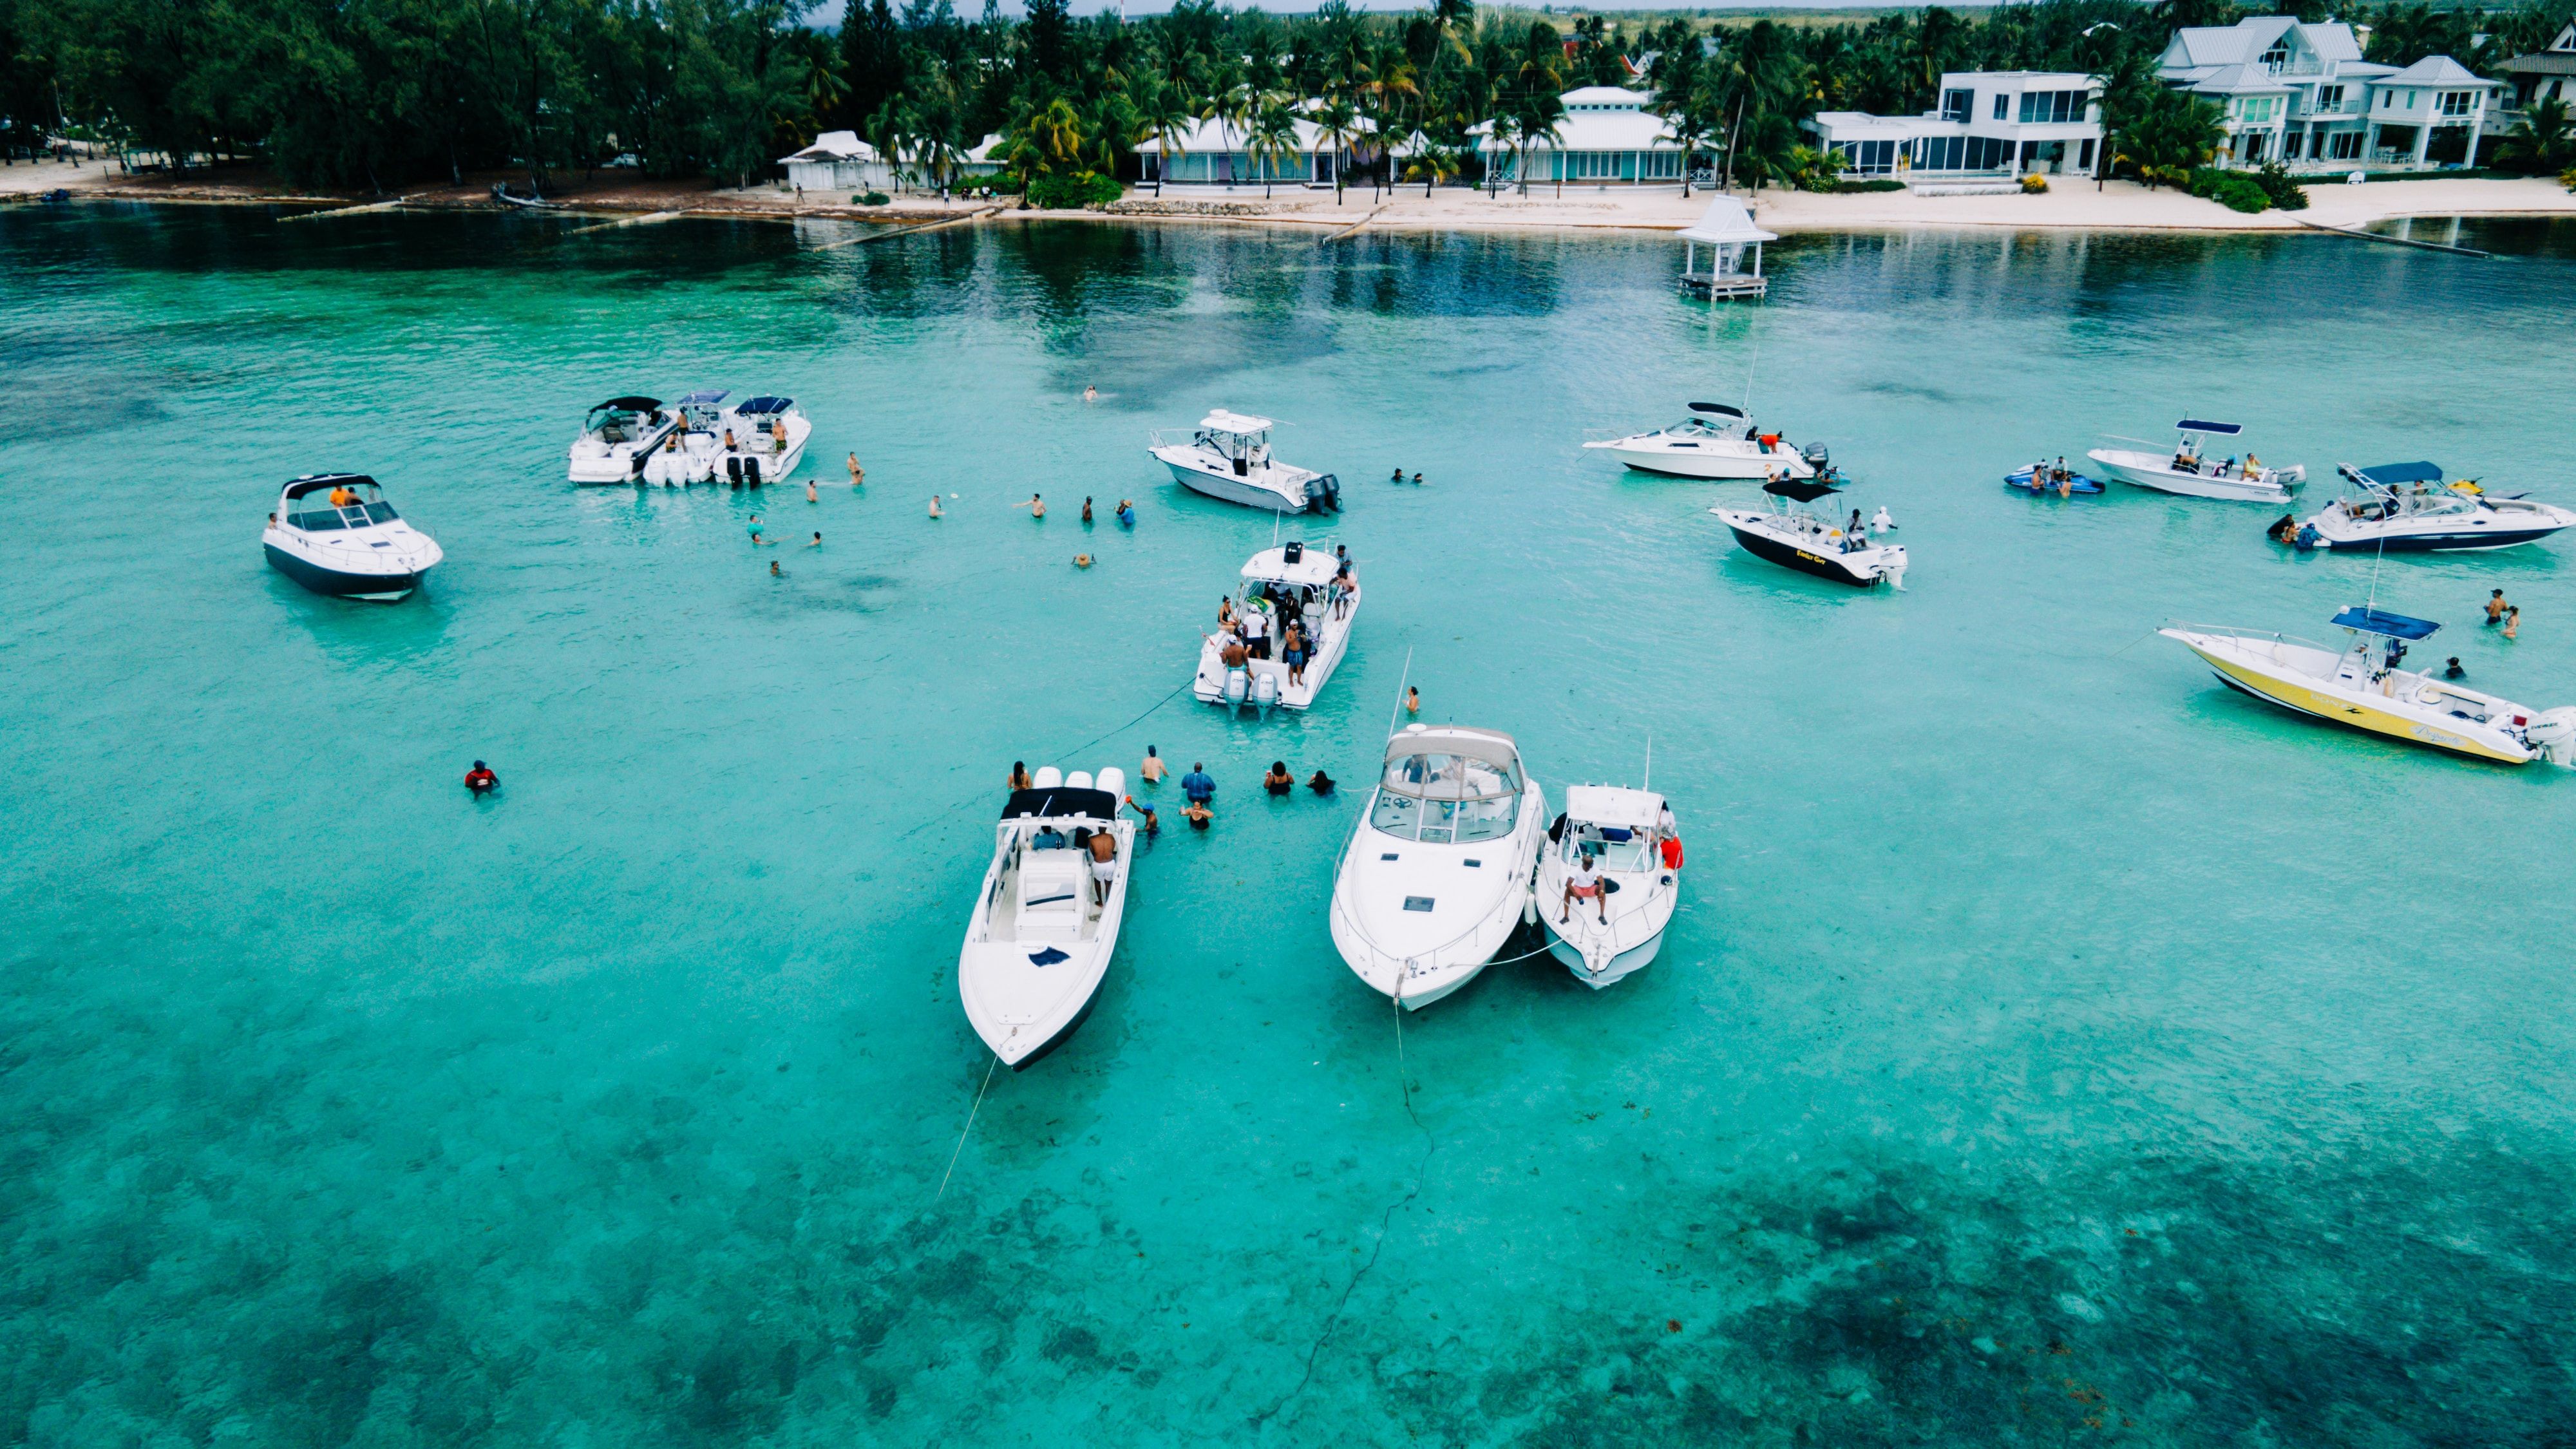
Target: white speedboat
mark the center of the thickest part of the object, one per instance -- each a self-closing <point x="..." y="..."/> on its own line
<point x="1282" y="585"/>
<point x="1621" y="833"/>
<point x="690" y="452"/>
<point x="2185" y="471"/>
<point x="2405" y="508"/>
<point x="1047" y="920"/>
<point x="1715" y="441"/>
<point x="335" y="534"/>
<point x="617" y="437"/>
<point x="761" y="440"/>
<point x="1788" y="533"/>
<point x="2361" y="686"/>
<point x="1229" y="457"/>
<point x="1436" y="874"/>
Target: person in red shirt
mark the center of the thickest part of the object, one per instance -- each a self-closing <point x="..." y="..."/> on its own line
<point x="480" y="779"/>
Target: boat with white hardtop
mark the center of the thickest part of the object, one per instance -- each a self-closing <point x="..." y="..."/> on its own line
<point x="1046" y="921"/>
<point x="1290" y="632"/>
<point x="2186" y="472"/>
<point x="1608" y="879"/>
<point x="618" y="437"/>
<point x="2407" y="508"/>
<point x="1716" y="441"/>
<point x="2361" y="686"/>
<point x="1793" y="535"/>
<point x="1436" y="874"/>
<point x="335" y="534"/>
<point x="1229" y="458"/>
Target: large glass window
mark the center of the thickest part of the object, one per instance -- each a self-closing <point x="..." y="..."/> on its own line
<point x="2458" y="103"/>
<point x="2329" y="98"/>
<point x="1955" y="104"/>
<point x="2051" y="106"/>
<point x="1439" y="798"/>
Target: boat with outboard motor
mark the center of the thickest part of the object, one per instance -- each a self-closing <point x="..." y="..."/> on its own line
<point x="1252" y="663"/>
<point x="1787" y="533"/>
<point x="1624" y="841"/>
<point x="1436" y="874"/>
<point x="1047" y="918"/>
<point x="2362" y="687"/>
<point x="1229" y="458"/>
<point x="761" y="439"/>
<point x="2406" y="508"/>
<point x="2184" y="471"/>
<point x="1715" y="441"/>
<point x="689" y="451"/>
<point x="335" y="534"/>
<point x="617" y="437"/>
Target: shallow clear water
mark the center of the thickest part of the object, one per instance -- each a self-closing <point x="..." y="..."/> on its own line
<point x="2051" y="1042"/>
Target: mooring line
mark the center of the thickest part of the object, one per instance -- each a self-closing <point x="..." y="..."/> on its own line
<point x="961" y="1137"/>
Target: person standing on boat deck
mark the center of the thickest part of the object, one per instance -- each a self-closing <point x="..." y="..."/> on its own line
<point x="1104" y="865"/>
<point x="1151" y="772"/>
<point x="1583" y="883"/>
<point x="2495" y="606"/>
<point x="1292" y="652"/>
<point x="1256" y="633"/>
<point x="1231" y="653"/>
<point x="778" y="435"/>
<point x="1278" y="781"/>
<point x="1020" y="775"/>
<point x="1198" y="784"/>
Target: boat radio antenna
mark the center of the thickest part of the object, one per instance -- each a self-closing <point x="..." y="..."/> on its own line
<point x="1650" y="762"/>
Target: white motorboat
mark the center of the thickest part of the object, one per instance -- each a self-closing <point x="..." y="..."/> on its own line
<point x="617" y="437"/>
<point x="1047" y="919"/>
<point x="1621" y="834"/>
<point x="761" y="440"/>
<point x="335" y="534"/>
<point x="690" y="451"/>
<point x="1788" y="533"/>
<point x="1436" y="874"/>
<point x="1283" y="585"/>
<point x="2362" y="687"/>
<point x="1229" y="457"/>
<point x="2405" y="508"/>
<point x="2186" y="472"/>
<point x="1715" y="441"/>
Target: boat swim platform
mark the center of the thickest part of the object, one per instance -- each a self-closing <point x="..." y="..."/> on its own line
<point x="1723" y="286"/>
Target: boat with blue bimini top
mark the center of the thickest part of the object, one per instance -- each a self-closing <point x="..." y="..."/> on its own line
<point x="2407" y="508"/>
<point x="618" y="437"/>
<point x="1046" y="921"/>
<point x="1608" y="879"/>
<point x="2186" y="472"/>
<point x="761" y="439"/>
<point x="1789" y="534"/>
<point x="1229" y="458"/>
<point x="2361" y="686"/>
<point x="335" y="534"/>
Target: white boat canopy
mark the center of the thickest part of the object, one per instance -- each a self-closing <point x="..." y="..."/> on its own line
<point x="1240" y="424"/>
<point x="1313" y="568"/>
<point x="1613" y="806"/>
<point x="1726" y="223"/>
<point x="1491" y="746"/>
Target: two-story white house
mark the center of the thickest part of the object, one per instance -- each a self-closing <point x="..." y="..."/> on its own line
<point x="2545" y="75"/>
<point x="1997" y="121"/>
<point x="2299" y="93"/>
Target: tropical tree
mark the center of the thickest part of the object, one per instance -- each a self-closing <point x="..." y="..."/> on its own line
<point x="1273" y="137"/>
<point x="2171" y="134"/>
<point x="1232" y="108"/>
<point x="1163" y="116"/>
<point x="2544" y="142"/>
<point x="1338" y="121"/>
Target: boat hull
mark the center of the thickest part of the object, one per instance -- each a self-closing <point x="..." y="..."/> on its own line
<point x="1625" y="964"/>
<point x="2146" y="470"/>
<point x="2426" y="542"/>
<point x="2305" y="695"/>
<point x="1711" y="465"/>
<point x="1227" y="488"/>
<point x="1416" y="976"/>
<point x="1789" y="555"/>
<point x="339" y="585"/>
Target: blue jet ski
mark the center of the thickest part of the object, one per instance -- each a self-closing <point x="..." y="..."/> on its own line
<point x="2021" y="480"/>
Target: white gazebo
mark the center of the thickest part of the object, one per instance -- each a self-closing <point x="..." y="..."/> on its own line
<point x="1728" y="229"/>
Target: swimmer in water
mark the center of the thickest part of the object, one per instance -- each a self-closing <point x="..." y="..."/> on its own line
<point x="1126" y="514"/>
<point x="858" y="475"/>
<point x="1153" y="826"/>
<point x="480" y="779"/>
<point x="817" y="540"/>
<point x="774" y="571"/>
<point x="1198" y="814"/>
<point x="809" y="492"/>
<point x="1412" y="700"/>
<point x="1090" y="394"/>
<point x="1036" y="506"/>
<point x="934" y="506"/>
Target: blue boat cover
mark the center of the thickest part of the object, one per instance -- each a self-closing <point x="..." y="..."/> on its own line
<point x="706" y="395"/>
<point x="2390" y="475"/>
<point x="2198" y="425"/>
<point x="2379" y="621"/>
<point x="763" y="406"/>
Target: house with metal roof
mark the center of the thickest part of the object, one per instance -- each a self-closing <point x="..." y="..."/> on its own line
<point x="1608" y="138"/>
<point x="1217" y="152"/>
<point x="1991" y="123"/>
<point x="2544" y="75"/>
<point x="2298" y="92"/>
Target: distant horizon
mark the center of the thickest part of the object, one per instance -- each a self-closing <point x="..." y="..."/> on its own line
<point x="828" y="14"/>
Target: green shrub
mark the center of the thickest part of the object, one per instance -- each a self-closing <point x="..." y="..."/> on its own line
<point x="2567" y="178"/>
<point x="870" y="198"/>
<point x="2279" y="188"/>
<point x="2234" y="190"/>
<point x="1855" y="188"/>
<point x="1067" y="193"/>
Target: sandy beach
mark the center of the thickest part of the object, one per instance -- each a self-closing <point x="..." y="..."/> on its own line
<point x="2070" y="203"/>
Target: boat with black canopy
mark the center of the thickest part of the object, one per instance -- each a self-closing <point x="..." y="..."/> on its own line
<point x="1716" y="441"/>
<point x="1791" y="534"/>
<point x="2363" y="686"/>
<point x="617" y="437"/>
<point x="335" y="534"/>
<point x="2407" y="508"/>
<point x="1046" y="921"/>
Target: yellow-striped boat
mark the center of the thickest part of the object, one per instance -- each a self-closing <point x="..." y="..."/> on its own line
<point x="2361" y="686"/>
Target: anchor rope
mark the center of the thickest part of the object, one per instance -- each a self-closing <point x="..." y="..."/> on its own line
<point x="970" y="1127"/>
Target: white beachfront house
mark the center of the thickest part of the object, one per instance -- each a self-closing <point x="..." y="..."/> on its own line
<point x="1607" y="138"/>
<point x="840" y="161"/>
<point x="2298" y="92"/>
<point x="1219" y="153"/>
<point x="1997" y="122"/>
<point x="2545" y="74"/>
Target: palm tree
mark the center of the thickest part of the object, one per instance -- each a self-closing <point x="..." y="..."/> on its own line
<point x="1503" y="134"/>
<point x="2543" y="141"/>
<point x="1163" y="116"/>
<point x="1693" y="129"/>
<point x="1339" y="123"/>
<point x="1274" y="136"/>
<point x="1543" y="119"/>
<point x="1232" y="108"/>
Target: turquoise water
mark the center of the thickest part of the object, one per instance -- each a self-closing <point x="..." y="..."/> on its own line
<point x="2053" y="1046"/>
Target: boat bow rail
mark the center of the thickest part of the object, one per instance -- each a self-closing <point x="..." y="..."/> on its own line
<point x="1449" y="953"/>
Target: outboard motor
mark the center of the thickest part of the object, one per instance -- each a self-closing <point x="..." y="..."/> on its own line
<point x="733" y="469"/>
<point x="2552" y="736"/>
<point x="1265" y="692"/>
<point x="1816" y="455"/>
<point x="1324" y="494"/>
<point x="751" y="471"/>
<point x="1238" y="685"/>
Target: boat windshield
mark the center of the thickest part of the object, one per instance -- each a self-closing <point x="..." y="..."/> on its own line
<point x="1699" y="427"/>
<point x="358" y="503"/>
<point x="1615" y="847"/>
<point x="612" y="423"/>
<point x="1443" y="798"/>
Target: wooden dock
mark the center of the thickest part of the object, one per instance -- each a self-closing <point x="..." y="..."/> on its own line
<point x="1723" y="286"/>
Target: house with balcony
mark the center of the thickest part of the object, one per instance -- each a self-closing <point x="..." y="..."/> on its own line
<point x="2544" y="75"/>
<point x="2299" y="93"/>
<point x="1993" y="123"/>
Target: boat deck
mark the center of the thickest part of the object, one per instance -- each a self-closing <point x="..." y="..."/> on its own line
<point x="1723" y="286"/>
